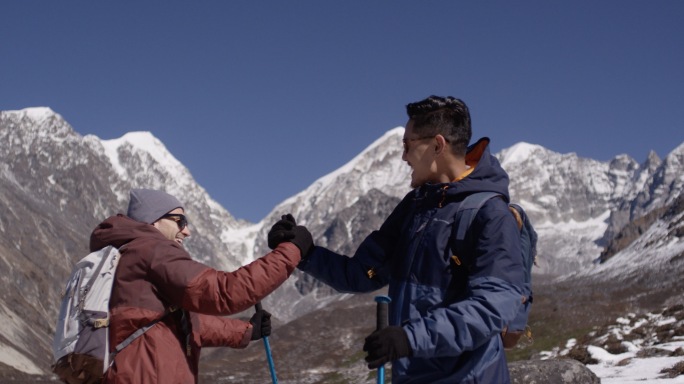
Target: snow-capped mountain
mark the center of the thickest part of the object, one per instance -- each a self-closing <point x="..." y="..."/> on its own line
<point x="340" y="209"/>
<point x="56" y="185"/>
<point x="572" y="201"/>
<point x="140" y="159"/>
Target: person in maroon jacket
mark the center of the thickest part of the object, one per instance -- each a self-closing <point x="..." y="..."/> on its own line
<point x="157" y="279"/>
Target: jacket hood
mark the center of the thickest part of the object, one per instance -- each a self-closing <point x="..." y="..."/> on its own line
<point x="119" y="230"/>
<point x="487" y="176"/>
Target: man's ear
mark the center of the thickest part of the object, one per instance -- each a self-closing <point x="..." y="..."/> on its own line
<point x="440" y="144"/>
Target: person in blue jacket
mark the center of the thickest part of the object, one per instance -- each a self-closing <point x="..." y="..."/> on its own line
<point x="448" y="308"/>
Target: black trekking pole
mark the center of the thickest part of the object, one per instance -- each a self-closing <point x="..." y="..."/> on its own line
<point x="382" y="322"/>
<point x="267" y="346"/>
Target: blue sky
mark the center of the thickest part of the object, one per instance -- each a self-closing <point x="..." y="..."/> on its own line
<point x="259" y="99"/>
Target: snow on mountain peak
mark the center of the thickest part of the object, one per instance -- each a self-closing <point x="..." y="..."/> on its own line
<point x="37" y="124"/>
<point x="678" y="150"/>
<point x="39" y="113"/>
<point x="145" y="141"/>
<point x="139" y="141"/>
<point x="35" y="114"/>
<point x="519" y="152"/>
<point x="398" y="131"/>
<point x="379" y="166"/>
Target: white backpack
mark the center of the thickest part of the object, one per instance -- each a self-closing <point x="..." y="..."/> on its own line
<point x="81" y="344"/>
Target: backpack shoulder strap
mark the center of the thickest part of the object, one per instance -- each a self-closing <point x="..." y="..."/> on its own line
<point x="104" y="255"/>
<point x="467" y="210"/>
<point x="141" y="331"/>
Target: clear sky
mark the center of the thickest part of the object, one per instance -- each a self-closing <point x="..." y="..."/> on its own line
<point x="261" y="98"/>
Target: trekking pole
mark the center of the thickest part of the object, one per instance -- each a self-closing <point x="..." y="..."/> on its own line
<point x="267" y="346"/>
<point x="382" y="322"/>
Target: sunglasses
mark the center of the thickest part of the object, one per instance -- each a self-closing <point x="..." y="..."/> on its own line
<point x="181" y="220"/>
<point x="407" y="141"/>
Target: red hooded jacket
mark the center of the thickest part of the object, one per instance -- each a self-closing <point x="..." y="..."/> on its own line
<point x="153" y="275"/>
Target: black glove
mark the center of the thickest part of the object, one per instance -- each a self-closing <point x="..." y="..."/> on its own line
<point x="303" y="240"/>
<point x="281" y="231"/>
<point x="386" y="345"/>
<point x="261" y="324"/>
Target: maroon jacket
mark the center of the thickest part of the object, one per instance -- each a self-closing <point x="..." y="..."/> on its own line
<point x="155" y="273"/>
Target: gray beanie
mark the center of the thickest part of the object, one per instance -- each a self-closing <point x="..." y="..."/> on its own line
<point x="149" y="205"/>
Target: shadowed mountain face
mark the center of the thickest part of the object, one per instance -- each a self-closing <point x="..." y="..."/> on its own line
<point x="56" y="185"/>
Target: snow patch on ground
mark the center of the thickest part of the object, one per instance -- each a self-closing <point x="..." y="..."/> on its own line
<point x="650" y="346"/>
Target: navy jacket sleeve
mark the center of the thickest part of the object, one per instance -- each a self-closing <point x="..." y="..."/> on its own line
<point x="494" y="291"/>
<point x="369" y="269"/>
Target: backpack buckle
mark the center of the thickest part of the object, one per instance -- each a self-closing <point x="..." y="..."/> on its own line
<point x="101" y="323"/>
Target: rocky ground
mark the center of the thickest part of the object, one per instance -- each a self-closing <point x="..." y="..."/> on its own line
<point x="325" y="346"/>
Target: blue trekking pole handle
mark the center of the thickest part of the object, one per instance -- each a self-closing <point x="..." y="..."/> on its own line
<point x="267" y="347"/>
<point x="381" y="322"/>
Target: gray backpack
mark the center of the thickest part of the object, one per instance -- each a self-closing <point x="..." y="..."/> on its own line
<point x="81" y="343"/>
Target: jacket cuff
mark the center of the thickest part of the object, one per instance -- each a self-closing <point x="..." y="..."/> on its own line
<point x="247" y="336"/>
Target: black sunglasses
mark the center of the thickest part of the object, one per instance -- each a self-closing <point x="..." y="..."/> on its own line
<point x="407" y="141"/>
<point x="181" y="220"/>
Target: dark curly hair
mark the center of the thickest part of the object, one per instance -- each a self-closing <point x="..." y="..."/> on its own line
<point x="446" y="116"/>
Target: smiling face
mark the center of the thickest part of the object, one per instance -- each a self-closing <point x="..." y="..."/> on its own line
<point x="170" y="227"/>
<point x="420" y="155"/>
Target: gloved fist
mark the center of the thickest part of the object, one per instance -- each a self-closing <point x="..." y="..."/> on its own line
<point x="386" y="345"/>
<point x="281" y="231"/>
<point x="303" y="240"/>
<point x="286" y="229"/>
<point x="261" y="324"/>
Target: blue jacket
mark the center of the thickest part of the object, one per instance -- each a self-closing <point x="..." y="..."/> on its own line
<point x="452" y="307"/>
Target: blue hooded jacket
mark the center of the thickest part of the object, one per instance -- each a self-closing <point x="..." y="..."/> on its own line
<point x="452" y="307"/>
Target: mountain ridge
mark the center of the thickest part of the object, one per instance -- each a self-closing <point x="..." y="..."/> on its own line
<point x="57" y="185"/>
